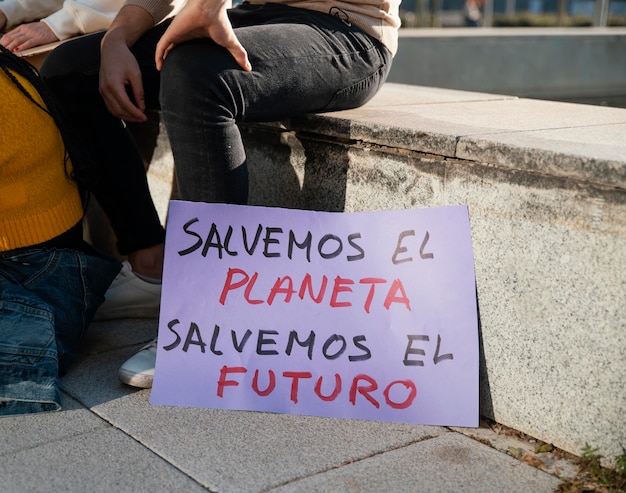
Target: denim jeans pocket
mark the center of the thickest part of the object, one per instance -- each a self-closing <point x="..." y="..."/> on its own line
<point x="28" y="355"/>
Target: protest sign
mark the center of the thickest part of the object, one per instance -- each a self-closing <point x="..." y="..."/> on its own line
<point x="368" y="315"/>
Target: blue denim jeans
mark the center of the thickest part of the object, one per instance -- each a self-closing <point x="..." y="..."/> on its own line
<point x="48" y="297"/>
<point x="302" y="62"/>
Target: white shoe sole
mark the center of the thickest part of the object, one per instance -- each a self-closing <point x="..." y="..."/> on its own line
<point x="138" y="380"/>
<point x="138" y="370"/>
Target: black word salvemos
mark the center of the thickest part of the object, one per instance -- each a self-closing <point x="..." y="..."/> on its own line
<point x="275" y="242"/>
<point x="266" y="343"/>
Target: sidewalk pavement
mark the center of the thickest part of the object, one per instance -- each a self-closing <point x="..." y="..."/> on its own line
<point x="109" y="438"/>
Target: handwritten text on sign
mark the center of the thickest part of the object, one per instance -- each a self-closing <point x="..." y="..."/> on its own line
<point x="366" y="315"/>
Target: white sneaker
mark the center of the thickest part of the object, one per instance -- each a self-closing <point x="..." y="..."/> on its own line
<point x="138" y="370"/>
<point x="130" y="297"/>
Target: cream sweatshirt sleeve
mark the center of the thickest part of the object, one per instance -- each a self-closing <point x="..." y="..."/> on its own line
<point x="82" y="17"/>
<point x="158" y="9"/>
<point x="22" y="11"/>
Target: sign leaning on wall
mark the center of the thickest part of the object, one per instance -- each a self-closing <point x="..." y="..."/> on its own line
<point x="368" y="315"/>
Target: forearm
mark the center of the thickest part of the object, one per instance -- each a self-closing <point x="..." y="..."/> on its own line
<point x="128" y="26"/>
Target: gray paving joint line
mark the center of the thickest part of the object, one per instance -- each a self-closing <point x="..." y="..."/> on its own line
<point x="41" y="444"/>
<point x="469" y="138"/>
<point x="354" y="461"/>
<point x="468" y="159"/>
<point x="537" y="172"/>
<point x="136" y="440"/>
<point x="540" y="129"/>
<point x="495" y="97"/>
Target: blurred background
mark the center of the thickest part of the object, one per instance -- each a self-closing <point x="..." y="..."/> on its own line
<point x="514" y="13"/>
<point x="561" y="50"/>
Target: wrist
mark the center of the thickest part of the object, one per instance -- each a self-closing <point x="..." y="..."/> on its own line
<point x="115" y="36"/>
<point x="128" y="26"/>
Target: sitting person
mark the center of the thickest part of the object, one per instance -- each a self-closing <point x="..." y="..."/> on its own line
<point x="37" y="23"/>
<point x="51" y="281"/>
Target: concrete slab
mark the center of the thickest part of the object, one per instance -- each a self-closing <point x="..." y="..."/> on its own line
<point x="235" y="451"/>
<point x="230" y="451"/>
<point x="93" y="380"/>
<point x="103" y="460"/>
<point x="434" y="465"/>
<point x="22" y="433"/>
<point x="514" y="115"/>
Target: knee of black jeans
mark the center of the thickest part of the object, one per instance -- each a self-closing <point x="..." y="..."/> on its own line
<point x="201" y="75"/>
<point x="179" y="83"/>
<point x="76" y="57"/>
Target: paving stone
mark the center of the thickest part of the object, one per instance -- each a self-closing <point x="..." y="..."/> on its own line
<point x="103" y="460"/>
<point x="449" y="462"/>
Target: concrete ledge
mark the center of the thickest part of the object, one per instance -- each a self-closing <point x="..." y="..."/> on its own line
<point x="568" y="140"/>
<point x="546" y="187"/>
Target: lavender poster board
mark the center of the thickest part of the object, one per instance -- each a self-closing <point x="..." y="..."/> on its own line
<point x="368" y="315"/>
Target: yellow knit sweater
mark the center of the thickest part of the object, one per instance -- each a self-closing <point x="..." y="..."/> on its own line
<point x="38" y="201"/>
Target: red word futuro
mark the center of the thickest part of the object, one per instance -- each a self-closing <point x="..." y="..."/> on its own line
<point x="362" y="384"/>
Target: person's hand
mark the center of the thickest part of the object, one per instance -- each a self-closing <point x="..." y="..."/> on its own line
<point x="28" y="36"/>
<point x="120" y="75"/>
<point x="202" y="19"/>
<point x="121" y="85"/>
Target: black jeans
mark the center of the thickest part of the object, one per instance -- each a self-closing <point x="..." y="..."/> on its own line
<point x="302" y="62"/>
<point x="121" y="186"/>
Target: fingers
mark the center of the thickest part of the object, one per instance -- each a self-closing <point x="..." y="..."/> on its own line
<point x="28" y="36"/>
<point x="121" y="85"/>
<point x="119" y="104"/>
<point x="238" y="52"/>
<point x="10" y="40"/>
<point x="224" y="35"/>
<point x="220" y="31"/>
<point x="241" y="57"/>
<point x="162" y="49"/>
